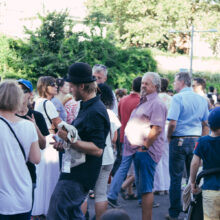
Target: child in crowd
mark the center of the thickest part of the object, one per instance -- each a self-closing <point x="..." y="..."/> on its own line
<point x="208" y="149"/>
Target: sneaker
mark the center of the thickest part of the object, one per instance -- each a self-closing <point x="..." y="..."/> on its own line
<point x="113" y="203"/>
<point x="156" y="204"/>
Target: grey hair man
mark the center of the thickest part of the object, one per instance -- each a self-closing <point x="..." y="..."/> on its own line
<point x="145" y="142"/>
<point x="101" y="73"/>
<point x="187" y="117"/>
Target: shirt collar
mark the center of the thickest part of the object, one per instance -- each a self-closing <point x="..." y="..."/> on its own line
<point x="186" y="89"/>
<point x="151" y="96"/>
<point x="89" y="102"/>
<point x="148" y="97"/>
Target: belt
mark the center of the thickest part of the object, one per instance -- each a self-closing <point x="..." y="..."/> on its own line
<point x="192" y="136"/>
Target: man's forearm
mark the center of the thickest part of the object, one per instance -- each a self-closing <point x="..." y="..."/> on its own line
<point x="171" y="129"/>
<point x="205" y="128"/>
<point x="152" y="136"/>
<point x="87" y="148"/>
<point x="41" y="139"/>
<point x="194" y="168"/>
<point x="193" y="171"/>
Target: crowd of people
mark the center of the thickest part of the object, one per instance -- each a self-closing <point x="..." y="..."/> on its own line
<point x="76" y="138"/>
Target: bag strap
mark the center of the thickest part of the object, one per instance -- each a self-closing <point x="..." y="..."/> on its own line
<point x="20" y="145"/>
<point x="44" y="105"/>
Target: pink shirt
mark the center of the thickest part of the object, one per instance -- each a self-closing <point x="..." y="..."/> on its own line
<point x="155" y="111"/>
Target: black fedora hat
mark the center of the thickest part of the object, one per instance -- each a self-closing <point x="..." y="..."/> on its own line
<point x="80" y="73"/>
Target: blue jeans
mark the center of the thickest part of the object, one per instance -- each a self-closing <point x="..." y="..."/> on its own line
<point x="180" y="154"/>
<point x="66" y="200"/>
<point x="120" y="177"/>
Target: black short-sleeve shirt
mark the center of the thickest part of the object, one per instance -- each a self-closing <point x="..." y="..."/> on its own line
<point x="41" y="124"/>
<point x="93" y="125"/>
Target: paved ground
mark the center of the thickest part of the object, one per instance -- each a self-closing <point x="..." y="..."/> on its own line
<point x="134" y="211"/>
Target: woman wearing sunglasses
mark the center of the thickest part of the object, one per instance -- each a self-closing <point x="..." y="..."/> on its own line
<point x="48" y="169"/>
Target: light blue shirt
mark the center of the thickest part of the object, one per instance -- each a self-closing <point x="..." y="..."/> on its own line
<point x="189" y="110"/>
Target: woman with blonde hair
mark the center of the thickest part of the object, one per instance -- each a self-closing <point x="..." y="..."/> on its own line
<point x="48" y="170"/>
<point x="19" y="143"/>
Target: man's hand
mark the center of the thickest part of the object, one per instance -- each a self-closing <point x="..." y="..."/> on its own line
<point x="63" y="134"/>
<point x="194" y="188"/>
<point x="57" y="145"/>
<point x="32" y="119"/>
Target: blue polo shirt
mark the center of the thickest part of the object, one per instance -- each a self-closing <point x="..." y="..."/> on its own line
<point x="93" y="125"/>
<point x="189" y="110"/>
<point x="208" y="149"/>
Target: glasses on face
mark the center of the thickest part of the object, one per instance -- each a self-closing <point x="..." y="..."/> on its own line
<point x="25" y="91"/>
<point x="100" y="65"/>
<point x="52" y="84"/>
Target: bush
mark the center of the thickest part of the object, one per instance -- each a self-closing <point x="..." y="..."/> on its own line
<point x="51" y="48"/>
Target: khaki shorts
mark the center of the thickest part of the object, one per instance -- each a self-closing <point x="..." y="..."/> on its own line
<point x="100" y="189"/>
<point x="211" y="204"/>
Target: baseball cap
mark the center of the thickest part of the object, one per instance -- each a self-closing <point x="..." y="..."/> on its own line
<point x="26" y="83"/>
<point x="214" y="118"/>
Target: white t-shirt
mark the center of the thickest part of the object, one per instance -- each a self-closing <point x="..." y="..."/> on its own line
<point x="115" y="124"/>
<point x="15" y="180"/>
<point x="51" y="110"/>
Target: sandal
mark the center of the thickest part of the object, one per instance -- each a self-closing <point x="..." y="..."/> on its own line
<point x="130" y="197"/>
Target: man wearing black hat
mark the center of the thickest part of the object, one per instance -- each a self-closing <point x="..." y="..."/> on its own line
<point x="93" y="126"/>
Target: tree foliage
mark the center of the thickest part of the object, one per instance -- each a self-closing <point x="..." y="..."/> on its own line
<point x="51" y="48"/>
<point x="147" y="22"/>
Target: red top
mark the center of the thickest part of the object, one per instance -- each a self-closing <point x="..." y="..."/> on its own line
<point x="125" y="107"/>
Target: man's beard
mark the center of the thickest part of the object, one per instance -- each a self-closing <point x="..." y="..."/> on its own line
<point x="143" y="92"/>
<point x="77" y="96"/>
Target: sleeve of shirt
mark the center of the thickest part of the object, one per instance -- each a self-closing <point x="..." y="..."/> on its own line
<point x="41" y="124"/>
<point x="206" y="113"/>
<point x="198" y="149"/>
<point x="114" y="121"/>
<point x="96" y="129"/>
<point x="51" y="110"/>
<point x="174" y="110"/>
<point x="158" y="116"/>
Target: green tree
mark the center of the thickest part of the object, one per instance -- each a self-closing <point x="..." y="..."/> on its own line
<point x="50" y="49"/>
<point x="147" y="22"/>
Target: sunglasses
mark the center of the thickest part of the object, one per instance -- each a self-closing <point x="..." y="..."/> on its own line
<point x="26" y="91"/>
<point x="52" y="84"/>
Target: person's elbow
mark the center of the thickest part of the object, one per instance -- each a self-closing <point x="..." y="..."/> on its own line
<point x="42" y="143"/>
<point x="35" y="154"/>
<point x="36" y="160"/>
<point x="98" y="152"/>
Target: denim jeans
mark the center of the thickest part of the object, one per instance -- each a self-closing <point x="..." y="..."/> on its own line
<point x="120" y="177"/>
<point x="145" y="168"/>
<point x="180" y="154"/>
<point x="66" y="201"/>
